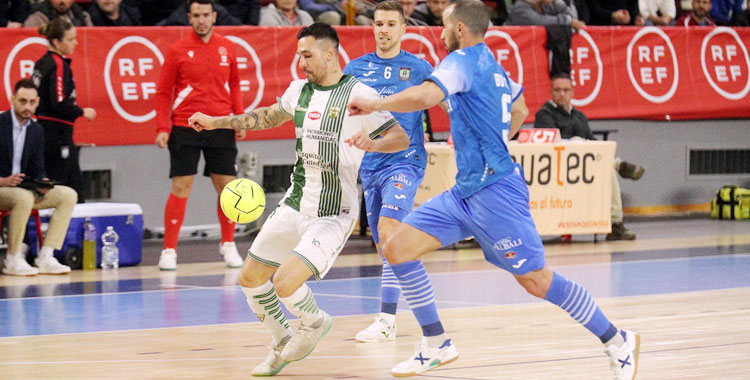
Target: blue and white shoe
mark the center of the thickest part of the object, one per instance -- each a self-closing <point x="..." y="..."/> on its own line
<point x="624" y="359"/>
<point x="426" y="358"/>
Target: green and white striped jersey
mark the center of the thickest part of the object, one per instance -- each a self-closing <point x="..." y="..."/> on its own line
<point x="324" y="181"/>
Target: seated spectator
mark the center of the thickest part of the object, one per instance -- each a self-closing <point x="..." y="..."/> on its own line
<point x="560" y="113"/>
<point x="247" y="11"/>
<point x="179" y="16"/>
<point x="331" y="12"/>
<point x="657" y="12"/>
<point x="154" y="11"/>
<point x="13" y="13"/>
<point x="52" y="9"/>
<point x="113" y="13"/>
<point x="431" y="12"/>
<point x="409" y="7"/>
<point x="614" y="12"/>
<point x="284" y="13"/>
<point x="699" y="16"/>
<point x="19" y="166"/>
<point x="728" y="13"/>
<point x="558" y="19"/>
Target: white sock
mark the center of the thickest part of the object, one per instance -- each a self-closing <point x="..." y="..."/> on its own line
<point x="302" y="304"/>
<point x="46" y="252"/>
<point x="437" y="340"/>
<point x="388" y="318"/>
<point x="265" y="304"/>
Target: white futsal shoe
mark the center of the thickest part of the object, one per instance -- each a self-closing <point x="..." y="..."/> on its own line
<point x="16" y="265"/>
<point x="305" y="340"/>
<point x="168" y="259"/>
<point x="378" y="331"/>
<point x="426" y="358"/>
<point x="229" y="252"/>
<point x="624" y="359"/>
<point x="50" y="265"/>
<point x="273" y="363"/>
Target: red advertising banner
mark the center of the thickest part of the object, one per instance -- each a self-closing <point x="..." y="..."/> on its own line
<point x="619" y="72"/>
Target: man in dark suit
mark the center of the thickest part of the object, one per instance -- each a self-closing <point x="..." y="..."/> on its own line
<point x="21" y="170"/>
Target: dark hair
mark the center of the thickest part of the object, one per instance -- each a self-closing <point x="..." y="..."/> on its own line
<point x="473" y="13"/>
<point x="391" y="5"/>
<point x="24" y="83"/>
<point x="320" y="31"/>
<point x="190" y="2"/>
<point x="55" y="29"/>
<point x="560" y="76"/>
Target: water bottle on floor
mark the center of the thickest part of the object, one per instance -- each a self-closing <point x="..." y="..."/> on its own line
<point x="110" y="253"/>
<point x="89" y="244"/>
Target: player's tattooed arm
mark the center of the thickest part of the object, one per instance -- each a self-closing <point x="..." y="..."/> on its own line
<point x="257" y="119"/>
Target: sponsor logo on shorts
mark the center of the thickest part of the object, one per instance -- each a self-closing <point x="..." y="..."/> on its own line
<point x="400" y="178"/>
<point x="400" y="196"/>
<point x="345" y="211"/>
<point x="390" y="207"/>
<point x="399" y="186"/>
<point x="510" y="255"/>
<point x="519" y="263"/>
<point x="507" y="243"/>
<point x="314" y="115"/>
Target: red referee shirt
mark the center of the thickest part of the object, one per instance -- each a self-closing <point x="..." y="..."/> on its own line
<point x="194" y="78"/>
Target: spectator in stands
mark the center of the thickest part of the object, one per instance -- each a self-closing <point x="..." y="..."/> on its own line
<point x="20" y="166"/>
<point x="154" y="11"/>
<point x="179" y="16"/>
<point x="431" y="12"/>
<point x="699" y="16"/>
<point x="247" y="11"/>
<point x="558" y="19"/>
<point x="331" y="13"/>
<point x="728" y="13"/>
<point x="657" y="12"/>
<point x="58" y="110"/>
<point x="53" y="9"/>
<point x="284" y="13"/>
<point x="13" y="13"/>
<point x="614" y="12"/>
<point x="113" y="13"/>
<point x="409" y="7"/>
<point x="560" y="113"/>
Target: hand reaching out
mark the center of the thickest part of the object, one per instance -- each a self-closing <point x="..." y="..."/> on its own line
<point x="362" y="141"/>
<point x="200" y="121"/>
<point x="359" y="106"/>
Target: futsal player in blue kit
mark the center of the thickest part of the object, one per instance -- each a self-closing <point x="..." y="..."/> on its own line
<point x="490" y="200"/>
<point x="390" y="180"/>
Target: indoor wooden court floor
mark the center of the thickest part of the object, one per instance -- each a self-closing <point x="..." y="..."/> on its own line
<point x="683" y="285"/>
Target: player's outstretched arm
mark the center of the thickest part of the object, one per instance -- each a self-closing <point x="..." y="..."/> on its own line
<point x="394" y="140"/>
<point x="421" y="97"/>
<point x="257" y="119"/>
<point x="518" y="114"/>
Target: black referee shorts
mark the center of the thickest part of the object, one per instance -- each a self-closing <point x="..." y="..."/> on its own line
<point x="218" y="146"/>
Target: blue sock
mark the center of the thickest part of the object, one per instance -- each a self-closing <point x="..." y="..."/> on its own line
<point x="417" y="289"/>
<point x="389" y="290"/>
<point x="576" y="301"/>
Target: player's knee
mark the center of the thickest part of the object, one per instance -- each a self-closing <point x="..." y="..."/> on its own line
<point x="534" y="289"/>
<point x="181" y="190"/>
<point x="285" y="287"/>
<point x="247" y="280"/>
<point x="391" y="250"/>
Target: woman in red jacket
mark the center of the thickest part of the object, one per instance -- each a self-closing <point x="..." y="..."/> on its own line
<point x="58" y="110"/>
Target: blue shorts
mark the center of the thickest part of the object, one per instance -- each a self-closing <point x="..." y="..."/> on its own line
<point x="390" y="192"/>
<point x="497" y="216"/>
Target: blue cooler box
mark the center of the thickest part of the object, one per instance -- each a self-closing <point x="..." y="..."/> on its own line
<point x="126" y="218"/>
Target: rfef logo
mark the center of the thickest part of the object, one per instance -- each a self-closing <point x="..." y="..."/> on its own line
<point x="726" y="63"/>
<point x="250" y="72"/>
<point x="421" y="47"/>
<point x="131" y="72"/>
<point x="20" y="61"/>
<point x="506" y="53"/>
<point x="652" y="65"/>
<point x="585" y="69"/>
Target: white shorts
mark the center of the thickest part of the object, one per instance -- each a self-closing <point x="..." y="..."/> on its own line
<point x="315" y="240"/>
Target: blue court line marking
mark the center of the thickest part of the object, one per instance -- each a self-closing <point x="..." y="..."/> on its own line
<point x="226" y="304"/>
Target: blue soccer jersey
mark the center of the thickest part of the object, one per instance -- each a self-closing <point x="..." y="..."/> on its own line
<point x="387" y="77"/>
<point x="479" y="95"/>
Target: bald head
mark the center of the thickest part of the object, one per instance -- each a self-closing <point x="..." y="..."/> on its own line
<point x="472" y="13"/>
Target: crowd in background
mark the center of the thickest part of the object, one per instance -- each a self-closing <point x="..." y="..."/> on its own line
<point x="575" y="13"/>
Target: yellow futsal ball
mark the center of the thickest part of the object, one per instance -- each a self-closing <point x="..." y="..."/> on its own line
<point x="242" y="200"/>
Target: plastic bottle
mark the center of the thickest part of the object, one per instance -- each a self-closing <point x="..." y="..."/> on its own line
<point x="110" y="253"/>
<point x="89" y="244"/>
